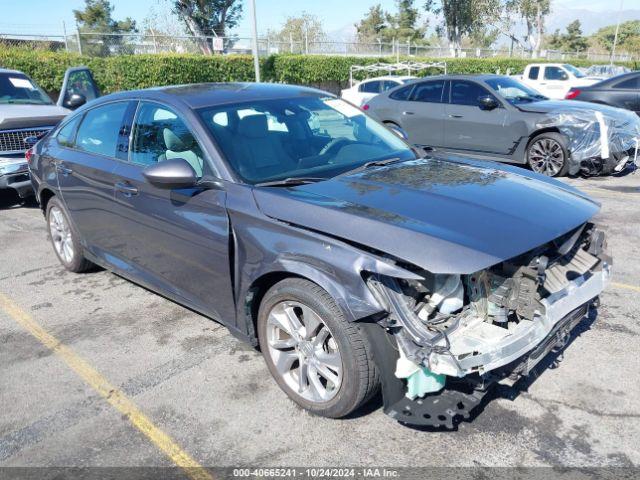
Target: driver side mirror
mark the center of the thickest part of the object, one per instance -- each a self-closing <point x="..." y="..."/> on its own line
<point x="487" y="102"/>
<point x="169" y="174"/>
<point x="75" y="101"/>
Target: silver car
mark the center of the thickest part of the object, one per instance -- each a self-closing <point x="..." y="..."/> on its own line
<point x="27" y="114"/>
<point x="493" y="117"/>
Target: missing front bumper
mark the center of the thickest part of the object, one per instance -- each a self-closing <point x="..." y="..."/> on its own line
<point x="461" y="396"/>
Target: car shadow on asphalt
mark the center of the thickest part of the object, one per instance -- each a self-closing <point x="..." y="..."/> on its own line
<point x="9" y="199"/>
<point x="551" y="361"/>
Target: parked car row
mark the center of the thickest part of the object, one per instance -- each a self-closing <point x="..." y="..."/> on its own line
<point x="494" y="117"/>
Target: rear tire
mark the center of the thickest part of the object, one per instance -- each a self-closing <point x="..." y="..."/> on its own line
<point x="300" y="327"/>
<point x="547" y="154"/>
<point x="64" y="238"/>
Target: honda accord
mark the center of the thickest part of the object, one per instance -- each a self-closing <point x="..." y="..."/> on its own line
<point x="352" y="260"/>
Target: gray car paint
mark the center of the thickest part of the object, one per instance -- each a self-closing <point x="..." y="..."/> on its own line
<point x="214" y="249"/>
<point x="501" y="134"/>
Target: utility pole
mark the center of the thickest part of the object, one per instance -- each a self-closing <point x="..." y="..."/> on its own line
<point x="615" y="38"/>
<point x="78" y="39"/>
<point x="64" y="32"/>
<point x="254" y="26"/>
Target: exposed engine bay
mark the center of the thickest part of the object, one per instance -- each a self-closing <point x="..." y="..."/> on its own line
<point x="473" y="327"/>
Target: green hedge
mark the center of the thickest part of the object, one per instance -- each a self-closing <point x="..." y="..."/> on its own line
<point x="127" y="72"/>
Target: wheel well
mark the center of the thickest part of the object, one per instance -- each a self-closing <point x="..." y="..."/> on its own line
<point x="541" y="131"/>
<point x="45" y="196"/>
<point x="256" y="293"/>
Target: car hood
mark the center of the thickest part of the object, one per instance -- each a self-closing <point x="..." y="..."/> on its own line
<point x="547" y="106"/>
<point x="446" y="216"/>
<point x="25" y="116"/>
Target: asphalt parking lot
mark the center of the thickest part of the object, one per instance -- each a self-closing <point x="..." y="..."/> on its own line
<point x="96" y="371"/>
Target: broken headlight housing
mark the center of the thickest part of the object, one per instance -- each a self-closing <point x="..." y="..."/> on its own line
<point x="457" y="325"/>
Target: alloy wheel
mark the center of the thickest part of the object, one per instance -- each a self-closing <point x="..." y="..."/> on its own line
<point x="546" y="156"/>
<point x="61" y="235"/>
<point x="304" y="352"/>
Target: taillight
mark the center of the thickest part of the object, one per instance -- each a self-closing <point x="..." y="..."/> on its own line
<point x="365" y="107"/>
<point x="28" y="154"/>
<point x="573" y="93"/>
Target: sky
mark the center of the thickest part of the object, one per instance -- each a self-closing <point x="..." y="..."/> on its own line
<point x="47" y="16"/>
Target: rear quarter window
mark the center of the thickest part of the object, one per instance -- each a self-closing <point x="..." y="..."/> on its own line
<point x="66" y="134"/>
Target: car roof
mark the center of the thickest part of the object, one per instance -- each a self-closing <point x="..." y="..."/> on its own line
<point x="200" y="95"/>
<point x="7" y="70"/>
<point x="616" y="78"/>
<point x="461" y="76"/>
<point x="389" y="77"/>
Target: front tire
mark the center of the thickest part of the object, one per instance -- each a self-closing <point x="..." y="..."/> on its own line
<point x="547" y="154"/>
<point x="320" y="360"/>
<point x="65" y="239"/>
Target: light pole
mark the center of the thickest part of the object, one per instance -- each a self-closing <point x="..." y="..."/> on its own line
<point x="254" y="26"/>
<point x="615" y="37"/>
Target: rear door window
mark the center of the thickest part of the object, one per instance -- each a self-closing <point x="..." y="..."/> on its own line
<point x="388" y="85"/>
<point x="370" y="87"/>
<point x="630" y="83"/>
<point x="100" y="129"/>
<point x="428" y="92"/>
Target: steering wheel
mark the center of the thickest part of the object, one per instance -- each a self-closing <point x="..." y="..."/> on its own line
<point x="333" y="145"/>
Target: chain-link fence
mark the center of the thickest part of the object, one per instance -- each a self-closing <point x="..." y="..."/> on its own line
<point x="106" y="44"/>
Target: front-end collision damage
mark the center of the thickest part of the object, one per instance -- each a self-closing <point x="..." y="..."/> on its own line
<point x="600" y="142"/>
<point x="466" y="330"/>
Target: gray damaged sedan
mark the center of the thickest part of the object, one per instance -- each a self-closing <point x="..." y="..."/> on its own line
<point x="493" y="117"/>
<point x="352" y="260"/>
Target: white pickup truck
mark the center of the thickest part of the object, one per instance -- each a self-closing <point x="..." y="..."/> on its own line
<point x="554" y="80"/>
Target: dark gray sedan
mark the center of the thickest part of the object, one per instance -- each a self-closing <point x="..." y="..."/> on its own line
<point x="311" y="230"/>
<point x="492" y="117"/>
<point x="622" y="91"/>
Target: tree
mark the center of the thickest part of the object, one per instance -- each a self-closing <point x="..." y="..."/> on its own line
<point x="628" y="37"/>
<point x="96" y="18"/>
<point x="403" y="25"/>
<point x="533" y="12"/>
<point x="304" y="29"/>
<point x="372" y="25"/>
<point x="462" y="18"/>
<point x="572" y="41"/>
<point x="208" y="18"/>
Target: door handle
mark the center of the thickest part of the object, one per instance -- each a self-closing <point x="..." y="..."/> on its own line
<point x="126" y="189"/>
<point x="61" y="169"/>
<point x="407" y="113"/>
<point x="455" y="116"/>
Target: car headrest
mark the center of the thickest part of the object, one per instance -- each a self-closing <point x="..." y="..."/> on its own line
<point x="253" y="126"/>
<point x="177" y="139"/>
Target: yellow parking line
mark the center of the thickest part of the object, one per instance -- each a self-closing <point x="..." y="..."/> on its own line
<point x="625" y="286"/>
<point x="114" y="396"/>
